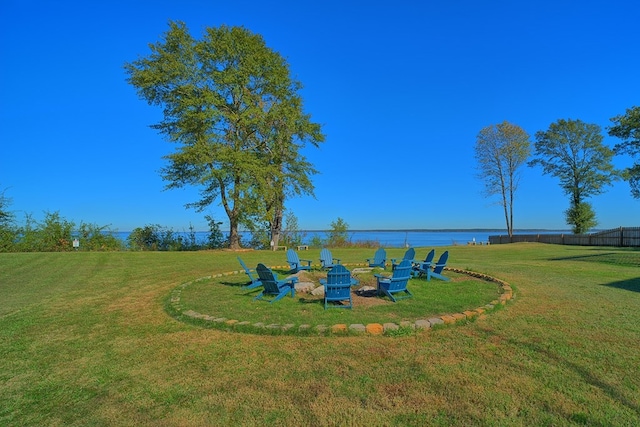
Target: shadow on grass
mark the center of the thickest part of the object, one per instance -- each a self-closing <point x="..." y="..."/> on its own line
<point x="627" y="285"/>
<point x="623" y="258"/>
<point x="305" y="300"/>
<point x="586" y="374"/>
<point x="235" y="284"/>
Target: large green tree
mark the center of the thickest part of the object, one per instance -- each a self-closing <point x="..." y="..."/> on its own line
<point x="232" y="107"/>
<point x="573" y="152"/>
<point x="501" y="150"/>
<point x="627" y="128"/>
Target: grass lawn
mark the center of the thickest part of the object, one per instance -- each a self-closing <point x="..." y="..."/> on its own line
<point x="223" y="297"/>
<point x="86" y="340"/>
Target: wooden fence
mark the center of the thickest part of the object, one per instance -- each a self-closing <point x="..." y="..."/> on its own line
<point x="623" y="236"/>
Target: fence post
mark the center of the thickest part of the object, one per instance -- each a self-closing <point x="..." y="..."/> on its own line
<point x="621" y="236"/>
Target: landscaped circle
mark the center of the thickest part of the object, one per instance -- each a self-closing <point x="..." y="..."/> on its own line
<point x="222" y="301"/>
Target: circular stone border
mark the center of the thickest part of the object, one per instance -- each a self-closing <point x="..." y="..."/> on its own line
<point x="175" y="306"/>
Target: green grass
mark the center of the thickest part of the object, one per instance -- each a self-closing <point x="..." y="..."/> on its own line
<point x="85" y="339"/>
<point x="224" y="297"/>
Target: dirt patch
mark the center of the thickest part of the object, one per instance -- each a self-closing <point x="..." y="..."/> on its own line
<point x="368" y="301"/>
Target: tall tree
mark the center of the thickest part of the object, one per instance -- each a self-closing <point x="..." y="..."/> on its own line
<point x="230" y="103"/>
<point x="288" y="172"/>
<point x="500" y="151"/>
<point x="572" y="151"/>
<point x="627" y="128"/>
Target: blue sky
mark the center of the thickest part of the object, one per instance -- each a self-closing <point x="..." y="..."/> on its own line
<point x="401" y="89"/>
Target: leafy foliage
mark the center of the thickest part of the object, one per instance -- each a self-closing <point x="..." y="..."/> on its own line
<point x="572" y="151"/>
<point x="215" y="238"/>
<point x="95" y="238"/>
<point x="627" y="128"/>
<point x="291" y="235"/>
<point x="7" y="229"/>
<point x="338" y="234"/>
<point x="581" y="217"/>
<point x="55" y="234"/>
<point x="154" y="237"/>
<point x="500" y="151"/>
<point x="230" y="103"/>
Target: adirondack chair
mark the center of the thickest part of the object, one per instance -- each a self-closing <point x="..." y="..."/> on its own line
<point x="337" y="287"/>
<point x="327" y="261"/>
<point x="273" y="286"/>
<point x="409" y="255"/>
<point x="379" y="259"/>
<point x="437" y="269"/>
<point x="255" y="281"/>
<point x="421" y="267"/>
<point x="296" y="263"/>
<point x="397" y="283"/>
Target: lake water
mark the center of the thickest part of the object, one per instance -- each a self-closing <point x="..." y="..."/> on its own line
<point x="394" y="238"/>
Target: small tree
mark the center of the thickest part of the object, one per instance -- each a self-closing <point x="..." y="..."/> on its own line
<point x="572" y="151"/>
<point x="291" y="236"/>
<point x="95" y="238"/>
<point x="145" y="238"/>
<point x="627" y="128"/>
<point x="500" y="151"/>
<point x="338" y="235"/>
<point x="581" y="217"/>
<point x="56" y="233"/>
<point x="215" y="239"/>
<point x="8" y="232"/>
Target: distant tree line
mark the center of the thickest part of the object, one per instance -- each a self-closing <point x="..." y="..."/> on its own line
<point x="570" y="150"/>
<point x="57" y="234"/>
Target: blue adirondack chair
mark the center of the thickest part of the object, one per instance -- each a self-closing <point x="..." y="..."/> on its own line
<point x="421" y="267"/>
<point x="273" y="286"/>
<point x="437" y="269"/>
<point x="337" y="287"/>
<point x="379" y="259"/>
<point x="397" y="283"/>
<point x="255" y="281"/>
<point x="327" y="261"/>
<point x="296" y="263"/>
<point x="409" y="255"/>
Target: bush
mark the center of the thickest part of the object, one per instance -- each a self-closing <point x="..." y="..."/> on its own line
<point x="95" y="238"/>
<point x="338" y="235"/>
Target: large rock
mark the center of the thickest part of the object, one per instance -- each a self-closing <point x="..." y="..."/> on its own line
<point x="306" y="287"/>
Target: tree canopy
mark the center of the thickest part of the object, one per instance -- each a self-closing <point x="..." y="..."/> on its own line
<point x="230" y="104"/>
<point x="573" y="152"/>
<point x="500" y="151"/>
<point x="627" y="128"/>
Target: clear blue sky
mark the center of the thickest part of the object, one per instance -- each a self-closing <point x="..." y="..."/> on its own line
<point x="401" y="88"/>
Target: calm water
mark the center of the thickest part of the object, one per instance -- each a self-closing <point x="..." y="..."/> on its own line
<point x="398" y="238"/>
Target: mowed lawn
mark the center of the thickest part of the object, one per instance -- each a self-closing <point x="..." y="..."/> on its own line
<point x="85" y="340"/>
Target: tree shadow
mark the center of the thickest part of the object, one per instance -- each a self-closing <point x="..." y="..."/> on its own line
<point x="622" y="258"/>
<point x="627" y="285"/>
<point x="311" y="300"/>
<point x="586" y="374"/>
<point x="235" y="284"/>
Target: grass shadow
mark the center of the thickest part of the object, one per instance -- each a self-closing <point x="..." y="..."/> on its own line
<point x="587" y="375"/>
<point x="622" y="258"/>
<point x="627" y="285"/>
<point x="235" y="284"/>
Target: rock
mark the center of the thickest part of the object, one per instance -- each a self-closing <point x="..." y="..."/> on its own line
<point x="305" y="287"/>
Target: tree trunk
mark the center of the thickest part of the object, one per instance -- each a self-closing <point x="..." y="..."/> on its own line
<point x="276" y="227"/>
<point x="234" y="237"/>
